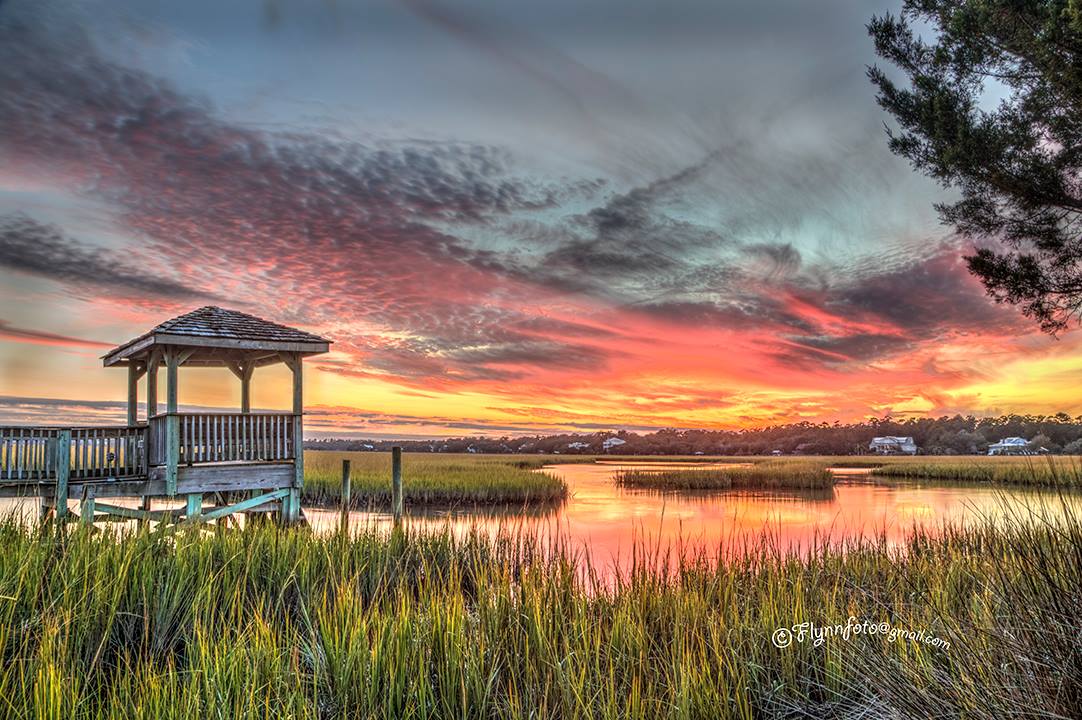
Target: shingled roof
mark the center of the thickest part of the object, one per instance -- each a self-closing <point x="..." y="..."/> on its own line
<point x="217" y="332"/>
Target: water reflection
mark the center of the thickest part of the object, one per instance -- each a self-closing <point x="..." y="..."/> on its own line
<point x="606" y="521"/>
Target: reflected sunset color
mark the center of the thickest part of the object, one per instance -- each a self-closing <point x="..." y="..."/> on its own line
<point x="606" y="521"/>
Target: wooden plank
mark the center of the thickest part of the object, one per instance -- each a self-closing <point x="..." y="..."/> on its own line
<point x="241" y="506"/>
<point x="134" y="513"/>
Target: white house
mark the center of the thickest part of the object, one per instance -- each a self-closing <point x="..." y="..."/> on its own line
<point x="612" y="442"/>
<point x="893" y="445"/>
<point x="1009" y="446"/>
<point x="578" y="446"/>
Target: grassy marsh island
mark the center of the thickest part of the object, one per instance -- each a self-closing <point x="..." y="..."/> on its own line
<point x="279" y="623"/>
<point x="431" y="479"/>
<point x="1035" y="471"/>
<point x="771" y="475"/>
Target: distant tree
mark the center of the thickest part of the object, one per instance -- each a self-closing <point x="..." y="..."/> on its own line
<point x="1041" y="441"/>
<point x="993" y="108"/>
<point x="1073" y="448"/>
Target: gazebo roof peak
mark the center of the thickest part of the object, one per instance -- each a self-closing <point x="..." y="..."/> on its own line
<point x="218" y="336"/>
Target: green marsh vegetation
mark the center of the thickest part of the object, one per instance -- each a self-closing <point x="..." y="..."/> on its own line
<point x="272" y="623"/>
<point x="1047" y="471"/>
<point x="431" y="479"/>
<point x="761" y="475"/>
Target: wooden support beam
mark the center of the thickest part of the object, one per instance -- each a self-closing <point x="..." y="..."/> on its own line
<point x="397" y="501"/>
<point x="291" y="506"/>
<point x="172" y="423"/>
<point x="241" y="506"/>
<point x="153" y="362"/>
<point x="243" y="369"/>
<point x="135" y="513"/>
<point x="194" y="507"/>
<point x="346" y="491"/>
<point x="63" y="473"/>
<point x="133" y="394"/>
<point x="86" y="507"/>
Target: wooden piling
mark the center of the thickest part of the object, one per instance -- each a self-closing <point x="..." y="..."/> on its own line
<point x="396" y="485"/>
<point x="63" y="473"/>
<point x="346" y="490"/>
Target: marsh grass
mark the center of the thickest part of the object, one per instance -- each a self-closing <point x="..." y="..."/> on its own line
<point x="764" y="475"/>
<point x="270" y="623"/>
<point x="431" y="479"/>
<point x="1049" y="471"/>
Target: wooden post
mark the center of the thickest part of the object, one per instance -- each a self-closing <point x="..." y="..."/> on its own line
<point x="152" y="383"/>
<point x="291" y="504"/>
<point x="397" y="504"/>
<point x="346" y="491"/>
<point x="194" y="507"/>
<point x="246" y="388"/>
<point x="63" y="473"/>
<point x="243" y="369"/>
<point x="133" y="394"/>
<point x="172" y="422"/>
<point x="86" y="508"/>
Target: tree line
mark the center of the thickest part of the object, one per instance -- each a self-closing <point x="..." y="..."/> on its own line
<point x="948" y="435"/>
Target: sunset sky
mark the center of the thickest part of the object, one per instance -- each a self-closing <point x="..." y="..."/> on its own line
<point x="508" y="217"/>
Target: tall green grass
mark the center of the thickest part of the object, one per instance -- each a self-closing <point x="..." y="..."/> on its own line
<point x="431" y="479"/>
<point x="763" y="475"/>
<point x="270" y="623"/>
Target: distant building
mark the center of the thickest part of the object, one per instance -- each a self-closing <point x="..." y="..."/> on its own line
<point x="613" y="442"/>
<point x="775" y="452"/>
<point x="578" y="446"/>
<point x="1009" y="446"/>
<point x="893" y="445"/>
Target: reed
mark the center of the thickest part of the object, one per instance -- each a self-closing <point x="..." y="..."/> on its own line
<point x="431" y="479"/>
<point x="270" y="623"/>
<point x="771" y="475"/>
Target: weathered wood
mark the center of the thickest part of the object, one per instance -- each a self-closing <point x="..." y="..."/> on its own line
<point x="397" y="501"/>
<point x="194" y="507"/>
<point x="172" y="453"/>
<point x="249" y="504"/>
<point x="346" y="492"/>
<point x="124" y="354"/>
<point x="86" y="507"/>
<point x="243" y="370"/>
<point x="225" y="476"/>
<point x="135" y="371"/>
<point x="153" y="361"/>
<point x="134" y="513"/>
<point x="63" y="473"/>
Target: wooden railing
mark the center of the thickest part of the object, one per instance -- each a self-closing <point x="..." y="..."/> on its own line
<point x="223" y="437"/>
<point x="29" y="454"/>
<point x="108" y="452"/>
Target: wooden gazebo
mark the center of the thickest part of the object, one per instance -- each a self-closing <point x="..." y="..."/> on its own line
<point x="245" y="461"/>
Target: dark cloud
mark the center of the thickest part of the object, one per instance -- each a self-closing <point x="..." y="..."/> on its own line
<point x="32" y="247"/>
<point x="381" y="239"/>
<point x="17" y="334"/>
<point x="335" y="229"/>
